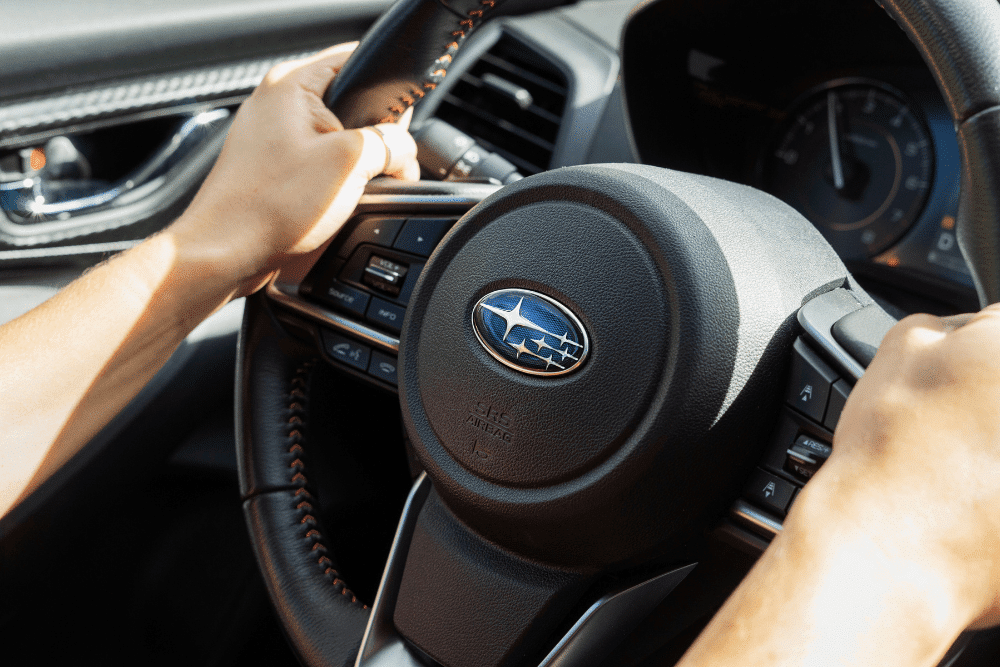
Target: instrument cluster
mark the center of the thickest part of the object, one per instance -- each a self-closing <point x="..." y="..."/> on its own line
<point x="851" y="132"/>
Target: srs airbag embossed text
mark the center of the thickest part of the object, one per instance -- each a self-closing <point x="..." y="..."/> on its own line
<point x="492" y="422"/>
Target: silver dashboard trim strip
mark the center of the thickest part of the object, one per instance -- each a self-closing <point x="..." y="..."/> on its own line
<point x="286" y="295"/>
<point x="381" y="645"/>
<point x="610" y="619"/>
<point x="746" y="512"/>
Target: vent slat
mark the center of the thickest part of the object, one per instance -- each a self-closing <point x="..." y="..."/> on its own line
<point x="500" y="122"/>
<point x="523" y="73"/>
<point x="524" y="136"/>
<point x="473" y="80"/>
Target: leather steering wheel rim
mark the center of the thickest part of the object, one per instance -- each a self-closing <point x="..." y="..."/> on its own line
<point x="324" y="621"/>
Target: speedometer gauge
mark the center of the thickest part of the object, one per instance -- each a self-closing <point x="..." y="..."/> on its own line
<point x="856" y="161"/>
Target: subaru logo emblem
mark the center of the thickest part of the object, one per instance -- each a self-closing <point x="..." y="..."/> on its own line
<point x="530" y="332"/>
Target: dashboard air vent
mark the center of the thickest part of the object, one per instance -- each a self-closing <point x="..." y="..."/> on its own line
<point x="511" y="102"/>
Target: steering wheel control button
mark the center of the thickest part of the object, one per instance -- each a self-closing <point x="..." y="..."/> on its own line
<point x="346" y="350"/>
<point x="346" y="298"/>
<point x="383" y="367"/>
<point x="385" y="275"/>
<point x="378" y="231"/>
<point x="530" y="332"/>
<point x="421" y="235"/>
<point x="809" y="383"/>
<point x="769" y="492"/>
<point x="386" y="315"/>
<point x="806" y="456"/>
<point x="838" y="398"/>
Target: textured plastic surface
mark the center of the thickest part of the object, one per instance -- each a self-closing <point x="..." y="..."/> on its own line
<point x="467" y="603"/>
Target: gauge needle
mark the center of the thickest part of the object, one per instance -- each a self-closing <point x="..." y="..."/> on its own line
<point x="831" y="123"/>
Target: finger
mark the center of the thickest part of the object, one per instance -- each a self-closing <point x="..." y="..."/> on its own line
<point x="364" y="149"/>
<point x="411" y="172"/>
<point x="314" y="73"/>
<point x="405" y="119"/>
<point x="912" y="332"/>
<point x="401" y="158"/>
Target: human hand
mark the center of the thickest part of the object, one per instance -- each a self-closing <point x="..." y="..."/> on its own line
<point x="916" y="462"/>
<point x="289" y="174"/>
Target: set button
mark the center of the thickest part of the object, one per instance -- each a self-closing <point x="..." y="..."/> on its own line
<point x="806" y="456"/>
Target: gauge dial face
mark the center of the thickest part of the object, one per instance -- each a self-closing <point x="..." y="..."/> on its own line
<point x="856" y="161"/>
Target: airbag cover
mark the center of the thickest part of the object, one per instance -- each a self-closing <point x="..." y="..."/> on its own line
<point x="518" y="429"/>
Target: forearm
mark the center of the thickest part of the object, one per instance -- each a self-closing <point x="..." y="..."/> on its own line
<point x="286" y="180"/>
<point x="824" y="594"/>
<point x="73" y="363"/>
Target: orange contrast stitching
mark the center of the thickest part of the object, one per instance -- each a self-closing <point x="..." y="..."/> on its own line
<point x="465" y="25"/>
<point x="297" y="402"/>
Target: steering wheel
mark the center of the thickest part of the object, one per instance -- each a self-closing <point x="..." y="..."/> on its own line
<point x="578" y="355"/>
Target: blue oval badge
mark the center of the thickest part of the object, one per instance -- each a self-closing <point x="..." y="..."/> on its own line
<point x="530" y="332"/>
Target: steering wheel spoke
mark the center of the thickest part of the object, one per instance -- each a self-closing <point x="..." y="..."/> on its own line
<point x="595" y="633"/>
<point x="841" y="335"/>
<point x="347" y="304"/>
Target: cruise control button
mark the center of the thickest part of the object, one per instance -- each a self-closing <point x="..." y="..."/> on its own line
<point x="838" y="398"/>
<point x="345" y="298"/>
<point x="346" y="350"/>
<point x="383" y="367"/>
<point x="769" y="492"/>
<point x="386" y="314"/>
<point x="385" y="275"/>
<point x="421" y="235"/>
<point x="379" y="231"/>
<point x="806" y="456"/>
<point x="809" y="382"/>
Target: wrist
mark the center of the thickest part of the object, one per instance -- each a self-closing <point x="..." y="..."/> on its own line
<point x="887" y="554"/>
<point x="227" y="262"/>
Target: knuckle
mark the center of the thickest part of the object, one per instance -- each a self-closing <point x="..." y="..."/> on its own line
<point x="991" y="312"/>
<point x="909" y="333"/>
<point x="278" y="73"/>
